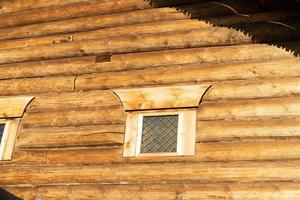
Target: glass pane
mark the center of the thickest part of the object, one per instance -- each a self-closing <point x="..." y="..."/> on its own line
<point x="2" y="126"/>
<point x="159" y="134"/>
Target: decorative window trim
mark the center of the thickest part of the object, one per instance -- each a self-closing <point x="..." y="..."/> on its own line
<point x="180" y="100"/>
<point x="11" y="111"/>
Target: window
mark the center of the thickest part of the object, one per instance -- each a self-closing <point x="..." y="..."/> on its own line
<point x="11" y="110"/>
<point x="161" y="121"/>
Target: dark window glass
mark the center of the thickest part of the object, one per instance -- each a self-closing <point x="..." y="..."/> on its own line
<point x="2" y="126"/>
<point x="159" y="134"/>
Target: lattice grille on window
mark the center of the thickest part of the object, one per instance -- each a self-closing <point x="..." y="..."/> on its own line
<point x="2" y="126"/>
<point x="159" y="134"/>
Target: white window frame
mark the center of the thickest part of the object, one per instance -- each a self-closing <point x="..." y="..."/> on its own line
<point x="186" y="136"/>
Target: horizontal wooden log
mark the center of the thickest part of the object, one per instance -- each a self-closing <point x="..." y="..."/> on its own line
<point x="36" y="85"/>
<point x="241" y="130"/>
<point x="250" y="109"/>
<point x="14" y="6"/>
<point x="239" y="53"/>
<point x="134" y="29"/>
<point x="127" y="44"/>
<point x="265" y="88"/>
<point x="189" y="73"/>
<point x="26" y="158"/>
<point x="154" y="173"/>
<point x="96" y="116"/>
<point x="91" y="23"/>
<point x="73" y="100"/>
<point x="71" y="136"/>
<point x="205" y="152"/>
<point x="234" y="191"/>
<point x="68" y="11"/>
<point x="59" y="67"/>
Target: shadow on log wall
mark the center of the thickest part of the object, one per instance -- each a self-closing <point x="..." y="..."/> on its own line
<point x="275" y="22"/>
<point x="5" y="195"/>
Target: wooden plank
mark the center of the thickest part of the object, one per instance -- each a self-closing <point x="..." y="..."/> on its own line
<point x="241" y="130"/>
<point x="189" y="73"/>
<point x="234" y="191"/>
<point x="14" y="106"/>
<point x="127" y="44"/>
<point x="9" y="138"/>
<point x="28" y="158"/>
<point x="73" y="101"/>
<point x="36" y="85"/>
<point x="133" y="29"/>
<point x="91" y="23"/>
<point x="240" y="53"/>
<point x="255" y="150"/>
<point x="59" y="67"/>
<point x="14" y="6"/>
<point x="265" y="88"/>
<point x="79" y="136"/>
<point x="154" y="173"/>
<point x="250" y="109"/>
<point x="161" y="97"/>
<point x="68" y="11"/>
<point x="96" y="116"/>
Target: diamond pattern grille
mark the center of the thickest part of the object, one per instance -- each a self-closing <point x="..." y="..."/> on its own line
<point x="2" y="126"/>
<point x="159" y="134"/>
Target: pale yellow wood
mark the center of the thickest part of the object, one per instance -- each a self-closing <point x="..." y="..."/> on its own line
<point x="130" y="134"/>
<point x="189" y="133"/>
<point x="8" y="140"/>
<point x="13" y="106"/>
<point x="161" y="97"/>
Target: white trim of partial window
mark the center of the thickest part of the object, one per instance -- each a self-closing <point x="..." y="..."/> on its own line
<point x="8" y="138"/>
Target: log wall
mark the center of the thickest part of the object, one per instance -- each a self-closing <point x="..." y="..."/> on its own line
<point x="70" y="55"/>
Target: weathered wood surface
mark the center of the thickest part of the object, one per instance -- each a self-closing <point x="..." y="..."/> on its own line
<point x="14" y="6"/>
<point x="60" y="67"/>
<point x="95" y="116"/>
<point x="245" y="129"/>
<point x="212" y="191"/>
<point x="72" y="136"/>
<point x="153" y="173"/>
<point x="127" y="44"/>
<point x="189" y="73"/>
<point x="68" y="11"/>
<point x="254" y="150"/>
<point x="162" y="97"/>
<point x="36" y="85"/>
<point x="250" y="109"/>
<point x="133" y="29"/>
<point x="73" y="101"/>
<point x="91" y="23"/>
<point x="71" y="54"/>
